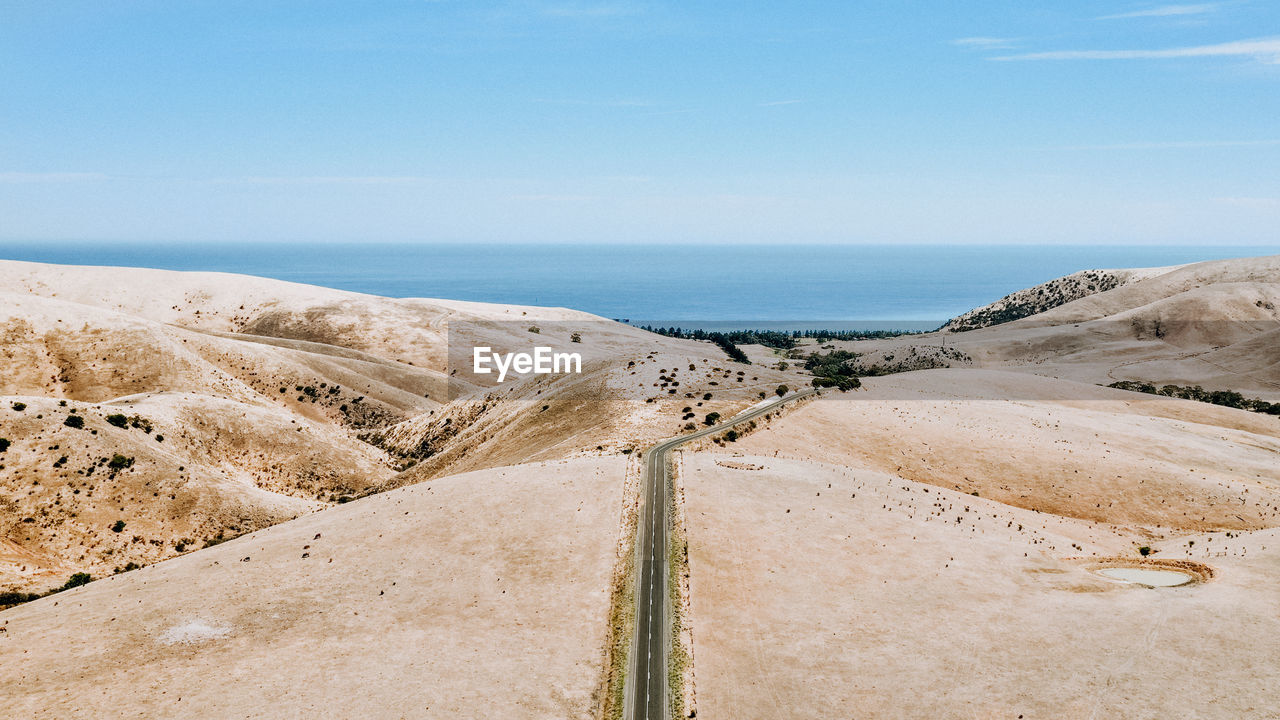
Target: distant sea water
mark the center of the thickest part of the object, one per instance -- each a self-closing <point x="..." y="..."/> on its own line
<point x="710" y="286"/>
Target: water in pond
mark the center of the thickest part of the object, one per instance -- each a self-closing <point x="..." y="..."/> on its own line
<point x="1144" y="576"/>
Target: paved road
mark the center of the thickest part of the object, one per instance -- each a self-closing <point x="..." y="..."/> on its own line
<point x="646" y="695"/>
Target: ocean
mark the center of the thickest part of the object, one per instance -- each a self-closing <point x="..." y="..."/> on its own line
<point x="710" y="286"/>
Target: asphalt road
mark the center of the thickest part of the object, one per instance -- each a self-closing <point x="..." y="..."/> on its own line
<point x="646" y="695"/>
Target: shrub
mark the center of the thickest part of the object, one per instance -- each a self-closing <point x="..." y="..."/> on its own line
<point x="118" y="526"/>
<point x="782" y="390"/>
<point x="712" y="418"/>
<point x="19" y="407"/>
<point x="118" y="420"/>
<point x="576" y="337"/>
<point x="731" y="436"/>
<point x="841" y="382"/>
<point x="1144" y="551"/>
<point x="16" y="598"/>
<point x="4" y="444"/>
<point x="119" y="462"/>
<point x="74" y="421"/>
<point x="77" y="580"/>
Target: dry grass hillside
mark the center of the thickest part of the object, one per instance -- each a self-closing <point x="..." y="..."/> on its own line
<point x="275" y="399"/>
<point x="932" y="545"/>
<point x="1046" y="296"/>
<point x="854" y="548"/>
<point x="1054" y="446"/>
<point x="448" y="599"/>
<point x="611" y="407"/>
<point x="1211" y="324"/>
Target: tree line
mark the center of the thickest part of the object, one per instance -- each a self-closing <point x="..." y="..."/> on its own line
<point x="1226" y="398"/>
<point x="780" y="339"/>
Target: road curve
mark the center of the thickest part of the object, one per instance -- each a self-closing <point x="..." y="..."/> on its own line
<point x="646" y="683"/>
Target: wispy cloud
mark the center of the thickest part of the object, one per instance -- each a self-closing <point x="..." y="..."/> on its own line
<point x="986" y="43"/>
<point x="1253" y="203"/>
<point x="1166" y="11"/>
<point x="1264" y="49"/>
<point x="555" y="198"/>
<point x="595" y="103"/>
<point x="326" y="180"/>
<point x="775" y="103"/>
<point x="1176" y="145"/>
<point x="49" y="177"/>
<point x="682" y="111"/>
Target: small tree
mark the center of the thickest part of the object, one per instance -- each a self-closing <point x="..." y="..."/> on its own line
<point x="782" y="390"/>
<point x="118" y="420"/>
<point x="119" y="462"/>
<point x="1144" y="551"/>
<point x="118" y="526"/>
<point x="19" y="407"/>
<point x="4" y="444"/>
<point x="74" y="421"/>
<point x="77" y="580"/>
<point x="712" y="418"/>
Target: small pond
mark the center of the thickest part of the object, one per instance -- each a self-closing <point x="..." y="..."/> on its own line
<point x="1148" y="576"/>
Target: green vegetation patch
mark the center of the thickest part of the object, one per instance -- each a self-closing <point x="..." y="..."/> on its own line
<point x="9" y="599"/>
<point x="777" y="339"/>
<point x="120" y="462"/>
<point x="834" y="369"/>
<point x="1225" y="398"/>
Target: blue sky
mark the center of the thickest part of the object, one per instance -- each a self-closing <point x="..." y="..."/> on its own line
<point x="603" y="121"/>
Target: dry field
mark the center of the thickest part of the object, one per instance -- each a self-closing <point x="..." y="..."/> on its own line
<point x="477" y="596"/>
<point x="821" y="590"/>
